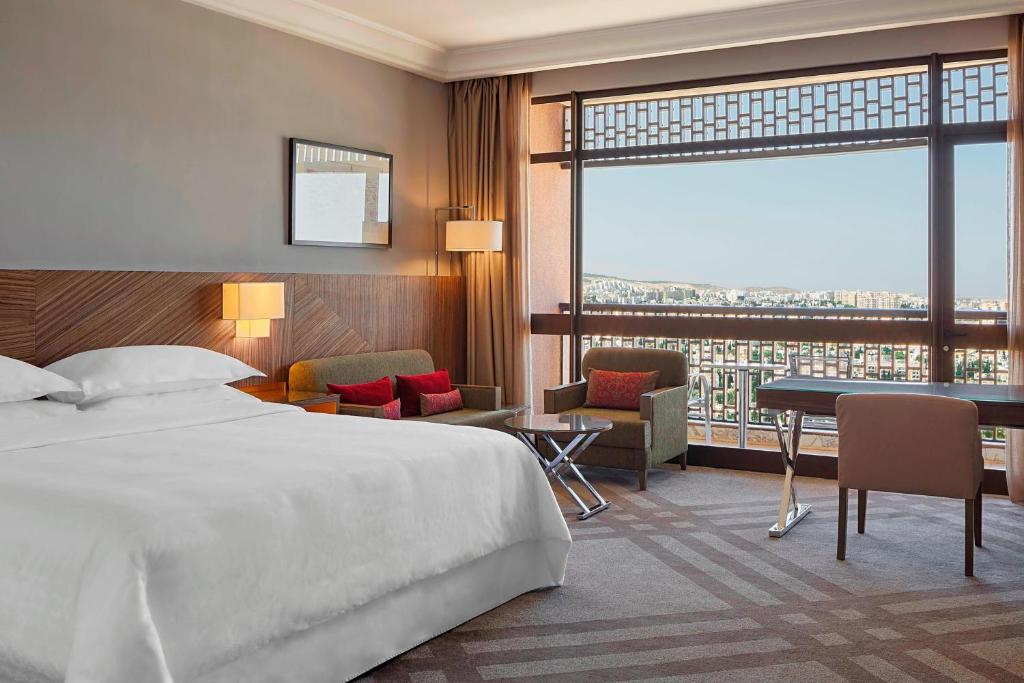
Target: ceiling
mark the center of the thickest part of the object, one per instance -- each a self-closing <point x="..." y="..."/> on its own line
<point x="455" y="39"/>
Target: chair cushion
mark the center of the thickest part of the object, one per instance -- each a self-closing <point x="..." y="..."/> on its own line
<point x="629" y="430"/>
<point x="435" y="404"/>
<point x="376" y="393"/>
<point x="411" y="386"/>
<point x="610" y="389"/>
<point x="469" y="417"/>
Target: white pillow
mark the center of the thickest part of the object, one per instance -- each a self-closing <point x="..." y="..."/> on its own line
<point x="20" y="381"/>
<point x="140" y="370"/>
<point x="22" y="411"/>
<point x="208" y="396"/>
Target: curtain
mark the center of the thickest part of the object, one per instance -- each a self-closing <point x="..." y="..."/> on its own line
<point x="488" y="167"/>
<point x="1015" y="316"/>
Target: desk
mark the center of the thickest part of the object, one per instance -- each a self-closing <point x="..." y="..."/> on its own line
<point x="998" y="406"/>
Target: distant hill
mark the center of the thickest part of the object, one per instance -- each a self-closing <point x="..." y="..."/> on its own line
<point x="594" y="278"/>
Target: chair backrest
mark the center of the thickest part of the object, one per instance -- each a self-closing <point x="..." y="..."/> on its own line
<point x="670" y="364"/>
<point x="819" y="366"/>
<point x="313" y="375"/>
<point x="909" y="443"/>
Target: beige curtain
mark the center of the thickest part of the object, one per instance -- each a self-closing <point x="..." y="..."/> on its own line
<point x="1015" y="322"/>
<point x="488" y="167"/>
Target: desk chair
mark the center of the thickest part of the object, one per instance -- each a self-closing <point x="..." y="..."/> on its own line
<point x="926" y="445"/>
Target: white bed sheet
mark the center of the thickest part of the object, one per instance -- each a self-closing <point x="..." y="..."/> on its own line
<point x="165" y="547"/>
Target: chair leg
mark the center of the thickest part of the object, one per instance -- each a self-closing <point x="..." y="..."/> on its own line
<point x="642" y="477"/>
<point x="682" y="461"/>
<point x="841" y="542"/>
<point x="977" y="518"/>
<point x="862" y="509"/>
<point x="969" y="537"/>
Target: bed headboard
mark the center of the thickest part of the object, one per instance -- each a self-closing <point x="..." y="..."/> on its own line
<point x="46" y="315"/>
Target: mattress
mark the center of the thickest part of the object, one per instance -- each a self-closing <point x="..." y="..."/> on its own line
<point x="211" y="545"/>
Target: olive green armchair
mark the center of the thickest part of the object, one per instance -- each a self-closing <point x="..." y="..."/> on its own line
<point x="640" y="439"/>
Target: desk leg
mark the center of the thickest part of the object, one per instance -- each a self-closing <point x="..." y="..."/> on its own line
<point x="789" y="444"/>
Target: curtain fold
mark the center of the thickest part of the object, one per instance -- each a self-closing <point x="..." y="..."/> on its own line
<point x="1015" y="315"/>
<point x="488" y="167"/>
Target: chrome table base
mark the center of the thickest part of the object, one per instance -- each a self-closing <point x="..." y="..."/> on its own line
<point x="563" y="464"/>
<point x="789" y="444"/>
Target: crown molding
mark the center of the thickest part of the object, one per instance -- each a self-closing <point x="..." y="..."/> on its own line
<point x="328" y="25"/>
<point x="790" y="21"/>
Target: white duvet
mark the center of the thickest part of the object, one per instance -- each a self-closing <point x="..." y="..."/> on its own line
<point x="157" y="547"/>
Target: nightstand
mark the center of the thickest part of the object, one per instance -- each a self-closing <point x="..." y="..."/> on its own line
<point x="310" y="401"/>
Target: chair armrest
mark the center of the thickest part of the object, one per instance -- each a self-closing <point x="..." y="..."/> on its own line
<point x="564" y="397"/>
<point x="359" y="410"/>
<point x="666" y="410"/>
<point x="479" y="397"/>
<point x="664" y="403"/>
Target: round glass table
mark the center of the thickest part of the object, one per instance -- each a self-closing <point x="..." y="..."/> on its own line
<point x="581" y="430"/>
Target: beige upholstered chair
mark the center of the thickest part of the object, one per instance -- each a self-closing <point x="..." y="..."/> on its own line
<point x="928" y="445"/>
<point x="639" y="439"/>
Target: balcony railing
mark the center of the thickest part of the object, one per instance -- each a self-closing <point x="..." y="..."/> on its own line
<point x="882" y="344"/>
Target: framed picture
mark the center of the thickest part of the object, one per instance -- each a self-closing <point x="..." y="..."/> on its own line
<point x="340" y="196"/>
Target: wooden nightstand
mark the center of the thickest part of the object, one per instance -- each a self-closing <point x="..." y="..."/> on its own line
<point x="278" y="392"/>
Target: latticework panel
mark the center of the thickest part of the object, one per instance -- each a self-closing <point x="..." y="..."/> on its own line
<point x="889" y="101"/>
<point x="975" y="93"/>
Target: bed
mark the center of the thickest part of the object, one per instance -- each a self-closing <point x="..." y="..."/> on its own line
<point x="249" y="541"/>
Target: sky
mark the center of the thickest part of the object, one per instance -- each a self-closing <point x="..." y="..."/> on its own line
<point x="851" y="221"/>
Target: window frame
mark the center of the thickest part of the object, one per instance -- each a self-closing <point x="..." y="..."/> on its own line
<point x="943" y="332"/>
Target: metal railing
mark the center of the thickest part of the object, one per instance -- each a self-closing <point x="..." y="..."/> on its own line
<point x="874" y="360"/>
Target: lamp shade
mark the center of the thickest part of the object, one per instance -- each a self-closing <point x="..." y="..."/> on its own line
<point x="253" y="300"/>
<point x="473" y="236"/>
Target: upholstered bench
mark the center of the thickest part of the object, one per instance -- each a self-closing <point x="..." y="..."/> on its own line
<point x="481" y="405"/>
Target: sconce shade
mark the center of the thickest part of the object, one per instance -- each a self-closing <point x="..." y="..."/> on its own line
<point x="473" y="236"/>
<point x="252" y="305"/>
<point x="253" y="300"/>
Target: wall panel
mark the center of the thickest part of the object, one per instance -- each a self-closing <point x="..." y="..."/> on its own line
<point x="48" y="315"/>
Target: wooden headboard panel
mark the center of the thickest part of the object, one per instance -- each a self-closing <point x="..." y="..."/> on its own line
<point x="46" y="315"/>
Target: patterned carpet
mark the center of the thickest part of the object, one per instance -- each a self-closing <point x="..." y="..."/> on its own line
<point x="682" y="583"/>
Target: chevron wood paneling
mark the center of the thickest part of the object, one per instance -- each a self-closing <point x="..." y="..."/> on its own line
<point x="48" y="315"/>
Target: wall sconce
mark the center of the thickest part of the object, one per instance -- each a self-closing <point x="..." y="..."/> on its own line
<point x="466" y="235"/>
<point x="252" y="305"/>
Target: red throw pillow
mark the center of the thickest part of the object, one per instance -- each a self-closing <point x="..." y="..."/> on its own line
<point x="607" y="389"/>
<point x="411" y="386"/>
<point x="432" y="404"/>
<point x="375" y="393"/>
<point x="393" y="409"/>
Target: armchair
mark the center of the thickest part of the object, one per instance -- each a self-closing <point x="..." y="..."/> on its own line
<point x="640" y="439"/>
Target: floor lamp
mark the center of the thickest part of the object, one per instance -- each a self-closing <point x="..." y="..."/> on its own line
<point x="465" y="234"/>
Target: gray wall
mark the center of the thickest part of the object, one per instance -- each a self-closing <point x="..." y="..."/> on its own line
<point x="152" y="135"/>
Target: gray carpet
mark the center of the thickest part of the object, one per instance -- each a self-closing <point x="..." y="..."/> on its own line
<point x="682" y="583"/>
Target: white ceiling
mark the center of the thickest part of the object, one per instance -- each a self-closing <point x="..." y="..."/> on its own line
<point x="454" y="24"/>
<point x="455" y="39"/>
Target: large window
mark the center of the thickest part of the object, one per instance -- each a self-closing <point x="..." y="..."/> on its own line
<point x="854" y="213"/>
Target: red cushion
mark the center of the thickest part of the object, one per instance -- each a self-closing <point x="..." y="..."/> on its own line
<point x="375" y="393"/>
<point x="411" y="386"/>
<point x="432" y="404"/>
<point x="621" y="390"/>
<point x="393" y="409"/>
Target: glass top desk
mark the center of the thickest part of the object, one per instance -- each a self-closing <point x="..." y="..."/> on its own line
<point x="998" y="406"/>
